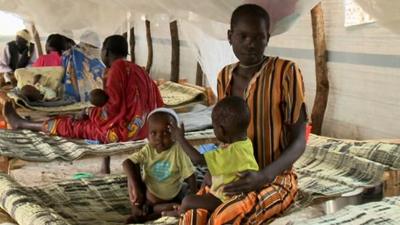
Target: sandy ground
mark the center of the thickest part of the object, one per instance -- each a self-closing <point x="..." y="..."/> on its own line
<point x="33" y="174"/>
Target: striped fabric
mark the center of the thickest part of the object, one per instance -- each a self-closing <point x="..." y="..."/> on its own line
<point x="253" y="208"/>
<point x="275" y="96"/>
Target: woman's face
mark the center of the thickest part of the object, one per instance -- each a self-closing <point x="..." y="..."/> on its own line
<point x="249" y="38"/>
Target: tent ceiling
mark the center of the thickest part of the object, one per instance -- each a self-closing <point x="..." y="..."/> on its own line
<point x="106" y="16"/>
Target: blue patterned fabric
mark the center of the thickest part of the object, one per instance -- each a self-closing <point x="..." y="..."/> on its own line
<point x="82" y="64"/>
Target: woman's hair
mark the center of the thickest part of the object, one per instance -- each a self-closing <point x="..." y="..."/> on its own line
<point x="56" y="42"/>
<point x="117" y="45"/>
<point x="249" y="10"/>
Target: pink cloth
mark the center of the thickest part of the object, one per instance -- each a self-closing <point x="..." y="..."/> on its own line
<point x="51" y="59"/>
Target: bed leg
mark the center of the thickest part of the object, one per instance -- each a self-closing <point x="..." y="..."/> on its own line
<point x="105" y="166"/>
<point x="5" y="164"/>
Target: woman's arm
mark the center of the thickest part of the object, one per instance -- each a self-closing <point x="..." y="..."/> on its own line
<point x="252" y="181"/>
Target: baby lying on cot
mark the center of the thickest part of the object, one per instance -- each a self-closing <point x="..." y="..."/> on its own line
<point x="37" y="91"/>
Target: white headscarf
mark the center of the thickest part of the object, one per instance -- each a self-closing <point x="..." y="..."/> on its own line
<point x="166" y="110"/>
<point x="25" y="35"/>
<point x="90" y="37"/>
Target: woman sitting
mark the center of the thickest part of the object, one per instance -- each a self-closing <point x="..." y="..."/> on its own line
<point x="54" y="48"/>
<point x="132" y="96"/>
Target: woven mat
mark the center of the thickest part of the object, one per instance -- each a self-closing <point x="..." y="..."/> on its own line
<point x="100" y="201"/>
<point x="385" y="212"/>
<point x="175" y="94"/>
<point x="329" y="167"/>
<point x="38" y="147"/>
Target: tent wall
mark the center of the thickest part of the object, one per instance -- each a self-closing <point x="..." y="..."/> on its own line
<point x="364" y="73"/>
<point x="161" y="67"/>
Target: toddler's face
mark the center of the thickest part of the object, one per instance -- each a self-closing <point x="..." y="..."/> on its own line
<point x="159" y="133"/>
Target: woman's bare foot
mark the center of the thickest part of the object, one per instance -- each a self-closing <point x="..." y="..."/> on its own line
<point x="11" y="116"/>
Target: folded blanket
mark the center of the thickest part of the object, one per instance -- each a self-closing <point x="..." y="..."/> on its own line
<point x="198" y="119"/>
<point x="174" y="94"/>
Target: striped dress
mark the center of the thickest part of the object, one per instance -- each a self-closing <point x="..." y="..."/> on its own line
<point x="275" y="96"/>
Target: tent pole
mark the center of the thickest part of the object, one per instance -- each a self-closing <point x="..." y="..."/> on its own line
<point x="36" y="38"/>
<point x="199" y="75"/>
<point x="173" y="27"/>
<point x="132" y="43"/>
<point x="321" y="69"/>
<point x="149" y="47"/>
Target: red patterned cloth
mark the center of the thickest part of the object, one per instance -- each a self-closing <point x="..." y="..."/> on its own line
<point x="132" y="96"/>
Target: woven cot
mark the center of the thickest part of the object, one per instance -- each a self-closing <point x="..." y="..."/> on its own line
<point x="329" y="167"/>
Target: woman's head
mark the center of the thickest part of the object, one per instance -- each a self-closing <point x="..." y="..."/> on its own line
<point x="249" y="33"/>
<point x="159" y="128"/>
<point x="230" y="119"/>
<point x="55" y="42"/>
<point x="114" y="47"/>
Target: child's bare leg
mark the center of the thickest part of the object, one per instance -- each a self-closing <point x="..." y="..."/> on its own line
<point x="207" y="201"/>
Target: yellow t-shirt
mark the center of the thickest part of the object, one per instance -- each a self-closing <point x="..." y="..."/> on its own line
<point x="163" y="173"/>
<point x="225" y="163"/>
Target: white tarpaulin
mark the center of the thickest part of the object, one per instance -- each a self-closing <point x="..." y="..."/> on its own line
<point x="204" y="23"/>
<point x="385" y="12"/>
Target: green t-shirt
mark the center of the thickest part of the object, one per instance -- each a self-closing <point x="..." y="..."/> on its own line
<point x="163" y="173"/>
<point x="224" y="164"/>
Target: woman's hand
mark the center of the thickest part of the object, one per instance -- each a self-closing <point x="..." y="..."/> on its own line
<point x="247" y="182"/>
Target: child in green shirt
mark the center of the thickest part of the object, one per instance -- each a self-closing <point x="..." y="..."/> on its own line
<point x="164" y="166"/>
<point x="230" y="118"/>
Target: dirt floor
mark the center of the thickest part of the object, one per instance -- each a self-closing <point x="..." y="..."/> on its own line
<point x="33" y="174"/>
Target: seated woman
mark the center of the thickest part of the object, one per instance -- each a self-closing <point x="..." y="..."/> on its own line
<point x="54" y="48"/>
<point x="274" y="91"/>
<point x="132" y="96"/>
<point x="84" y="70"/>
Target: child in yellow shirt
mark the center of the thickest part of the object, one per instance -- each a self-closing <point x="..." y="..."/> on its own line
<point x="164" y="166"/>
<point x="230" y="118"/>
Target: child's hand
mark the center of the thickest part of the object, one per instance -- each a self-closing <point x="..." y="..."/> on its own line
<point x="82" y="115"/>
<point x="177" y="132"/>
